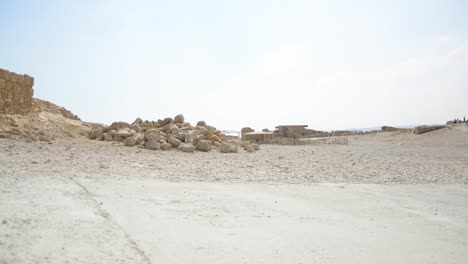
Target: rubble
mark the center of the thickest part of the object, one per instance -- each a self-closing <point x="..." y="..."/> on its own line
<point x="170" y="133"/>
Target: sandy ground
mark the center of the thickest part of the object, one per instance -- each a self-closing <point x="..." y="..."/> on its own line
<point x="82" y="220"/>
<point x="385" y="198"/>
<point x="438" y="157"/>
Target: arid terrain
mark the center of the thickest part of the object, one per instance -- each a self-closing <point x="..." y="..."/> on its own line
<point x="388" y="197"/>
<point x="389" y="157"/>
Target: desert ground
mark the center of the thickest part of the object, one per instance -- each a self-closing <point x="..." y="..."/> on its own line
<point x="388" y="197"/>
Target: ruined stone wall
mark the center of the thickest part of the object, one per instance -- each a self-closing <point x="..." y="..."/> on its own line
<point x="16" y="93"/>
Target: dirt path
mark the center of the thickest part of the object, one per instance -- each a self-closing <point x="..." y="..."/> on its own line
<point x="58" y="219"/>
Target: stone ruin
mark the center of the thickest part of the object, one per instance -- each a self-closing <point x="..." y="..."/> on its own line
<point x="171" y="133"/>
<point x="16" y="93"/>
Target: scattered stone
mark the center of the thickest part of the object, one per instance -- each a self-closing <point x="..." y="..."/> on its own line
<point x="188" y="138"/>
<point x="135" y="127"/>
<point x="189" y="148"/>
<point x="166" y="121"/>
<point x="234" y="149"/>
<point x="174" y="141"/>
<point x="153" y="145"/>
<point x="138" y="121"/>
<point x="155" y="136"/>
<point x="249" y="148"/>
<point x="179" y="119"/>
<point x="96" y="133"/>
<point x="152" y="131"/>
<point x="139" y="138"/>
<point x="255" y="146"/>
<point x="204" y="145"/>
<point x="225" y="148"/>
<point x="201" y="124"/>
<point x="170" y="129"/>
<point x="124" y="132"/>
<point x="118" y="125"/>
<point x="108" y="137"/>
<point x="166" y="146"/>
<point x="130" y="141"/>
<point x="181" y="137"/>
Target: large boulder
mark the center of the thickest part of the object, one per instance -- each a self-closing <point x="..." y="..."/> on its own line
<point x="113" y="133"/>
<point x="130" y="141"/>
<point x="174" y="141"/>
<point x="201" y="123"/>
<point x="188" y="138"/>
<point x="179" y="119"/>
<point x="151" y="131"/>
<point x="225" y="148"/>
<point x="170" y="128"/>
<point x="211" y="129"/>
<point x="234" y="149"/>
<point x="215" y="138"/>
<point x="204" y="145"/>
<point x="118" y="125"/>
<point x="249" y="148"/>
<point x="135" y="127"/>
<point x="181" y="137"/>
<point x="153" y="135"/>
<point x="189" y="148"/>
<point x="166" y="146"/>
<point x="138" y="121"/>
<point x="153" y="145"/>
<point x="124" y="132"/>
<point x="96" y="133"/>
<point x="152" y="139"/>
<point x="166" y="121"/>
<point x="139" y="138"/>
<point x="256" y="146"/>
<point x="108" y="137"/>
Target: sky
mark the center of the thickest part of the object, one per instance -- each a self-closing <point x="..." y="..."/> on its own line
<point x="328" y="64"/>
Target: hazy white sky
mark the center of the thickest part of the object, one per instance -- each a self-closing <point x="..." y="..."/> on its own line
<point x="329" y="64"/>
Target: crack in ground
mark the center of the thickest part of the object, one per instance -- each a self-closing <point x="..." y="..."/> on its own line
<point x="109" y="217"/>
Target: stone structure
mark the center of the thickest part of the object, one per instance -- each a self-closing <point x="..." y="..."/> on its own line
<point x="244" y="131"/>
<point x="16" y="93"/>
<point x="292" y="131"/>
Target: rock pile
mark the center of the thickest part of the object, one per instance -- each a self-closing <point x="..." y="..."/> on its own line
<point x="170" y="133"/>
